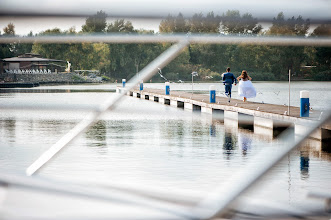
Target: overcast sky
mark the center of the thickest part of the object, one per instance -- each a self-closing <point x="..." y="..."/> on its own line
<point x="313" y="9"/>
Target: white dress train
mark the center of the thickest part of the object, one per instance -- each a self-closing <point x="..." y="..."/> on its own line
<point x="246" y="89"/>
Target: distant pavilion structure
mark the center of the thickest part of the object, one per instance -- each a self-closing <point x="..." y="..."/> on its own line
<point x="32" y="63"/>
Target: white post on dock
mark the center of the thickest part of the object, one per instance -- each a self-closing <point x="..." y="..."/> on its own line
<point x="141" y="85"/>
<point x="212" y="94"/>
<point x="167" y="88"/>
<point x="289" y="91"/>
<point x="304" y="103"/>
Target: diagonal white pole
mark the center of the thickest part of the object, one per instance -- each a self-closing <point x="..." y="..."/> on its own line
<point x="161" y="61"/>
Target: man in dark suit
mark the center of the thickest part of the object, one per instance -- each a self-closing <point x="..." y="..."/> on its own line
<point x="228" y="79"/>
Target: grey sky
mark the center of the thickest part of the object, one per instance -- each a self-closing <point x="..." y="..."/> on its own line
<point x="313" y="9"/>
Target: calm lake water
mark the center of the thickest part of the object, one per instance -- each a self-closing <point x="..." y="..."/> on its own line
<point x="149" y="144"/>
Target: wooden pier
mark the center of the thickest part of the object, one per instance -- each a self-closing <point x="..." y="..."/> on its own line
<point x="259" y="115"/>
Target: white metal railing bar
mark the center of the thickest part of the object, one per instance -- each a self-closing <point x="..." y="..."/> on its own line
<point x="173" y="38"/>
<point x="93" y="117"/>
<point x="86" y="192"/>
<point x="49" y="107"/>
<point x="263" y="11"/>
<point x="218" y="201"/>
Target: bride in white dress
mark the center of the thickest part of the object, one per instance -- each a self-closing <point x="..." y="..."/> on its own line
<point x="246" y="88"/>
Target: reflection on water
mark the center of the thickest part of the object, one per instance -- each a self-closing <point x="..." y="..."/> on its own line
<point x="229" y="144"/>
<point x="212" y="130"/>
<point x="8" y="127"/>
<point x="97" y="134"/>
<point x="304" y="164"/>
<point x="147" y="143"/>
<point x="245" y="143"/>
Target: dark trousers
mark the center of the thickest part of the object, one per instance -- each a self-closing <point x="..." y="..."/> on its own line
<point x="228" y="89"/>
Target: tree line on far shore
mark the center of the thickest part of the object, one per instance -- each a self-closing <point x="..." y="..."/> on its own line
<point x="117" y="61"/>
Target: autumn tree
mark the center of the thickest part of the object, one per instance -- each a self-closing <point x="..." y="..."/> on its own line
<point x="95" y="23"/>
<point x="9" y="30"/>
<point x="6" y="50"/>
<point x="292" y="26"/>
<point x="174" y="24"/>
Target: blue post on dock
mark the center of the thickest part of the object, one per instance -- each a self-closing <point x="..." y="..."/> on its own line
<point x="167" y="88"/>
<point x="141" y="86"/>
<point x="304" y="103"/>
<point x="123" y="82"/>
<point x="212" y="92"/>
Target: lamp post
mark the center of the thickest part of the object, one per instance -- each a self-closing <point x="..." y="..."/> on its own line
<point x="193" y="74"/>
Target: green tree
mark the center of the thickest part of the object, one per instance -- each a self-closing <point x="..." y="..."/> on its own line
<point x="212" y="23"/>
<point x="53" y="51"/>
<point x="95" y="23"/>
<point x="167" y="25"/>
<point x="197" y="23"/>
<point x="288" y="57"/>
<point x="322" y="54"/>
<point x="174" y="24"/>
<point x="6" y="50"/>
<point x="181" y="24"/>
<point x="22" y="48"/>
<point x="234" y="23"/>
<point x="121" y="26"/>
<point x="200" y="24"/>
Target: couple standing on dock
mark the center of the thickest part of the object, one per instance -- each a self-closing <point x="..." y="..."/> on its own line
<point x="246" y="88"/>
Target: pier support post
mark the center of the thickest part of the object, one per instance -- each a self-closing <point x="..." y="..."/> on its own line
<point x="173" y="102"/>
<point x="263" y="122"/>
<point x="188" y="105"/>
<point x="231" y="125"/>
<point x="264" y="127"/>
<point x="151" y="97"/>
<point x="231" y="115"/>
<point x="207" y="110"/>
<point x="300" y="129"/>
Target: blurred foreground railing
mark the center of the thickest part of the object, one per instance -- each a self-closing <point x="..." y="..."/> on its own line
<point x="173" y="38"/>
<point x="217" y="202"/>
